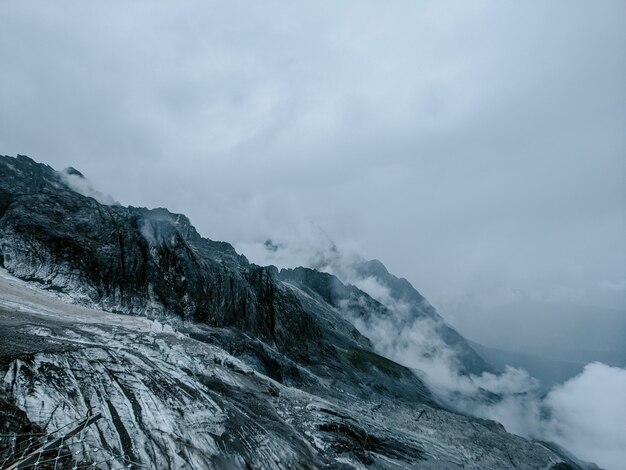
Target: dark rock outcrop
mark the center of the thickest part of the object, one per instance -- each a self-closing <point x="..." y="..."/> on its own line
<point x="138" y="261"/>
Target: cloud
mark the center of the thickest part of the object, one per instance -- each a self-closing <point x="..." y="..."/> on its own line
<point x="585" y="415"/>
<point x="588" y="415"/>
<point x="473" y="147"/>
<point x="303" y="244"/>
<point x="77" y="182"/>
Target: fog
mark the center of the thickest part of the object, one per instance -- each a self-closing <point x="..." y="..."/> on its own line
<point x="586" y="414"/>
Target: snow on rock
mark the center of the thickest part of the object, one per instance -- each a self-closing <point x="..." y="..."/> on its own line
<point x="170" y="401"/>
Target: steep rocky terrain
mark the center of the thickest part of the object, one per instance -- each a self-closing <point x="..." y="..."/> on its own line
<point x="401" y="307"/>
<point x="199" y="359"/>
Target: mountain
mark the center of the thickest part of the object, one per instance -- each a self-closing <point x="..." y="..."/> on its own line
<point x="402" y="309"/>
<point x="197" y="358"/>
<point x="403" y="294"/>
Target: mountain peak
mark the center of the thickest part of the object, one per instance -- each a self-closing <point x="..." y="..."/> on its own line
<point x="375" y="268"/>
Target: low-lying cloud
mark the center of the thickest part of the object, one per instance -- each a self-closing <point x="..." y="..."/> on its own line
<point x="586" y="415"/>
<point x="77" y="182"/>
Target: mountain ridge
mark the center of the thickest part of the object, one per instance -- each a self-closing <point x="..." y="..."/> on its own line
<point x="263" y="333"/>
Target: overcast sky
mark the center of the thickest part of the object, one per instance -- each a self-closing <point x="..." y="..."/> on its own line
<point x="476" y="148"/>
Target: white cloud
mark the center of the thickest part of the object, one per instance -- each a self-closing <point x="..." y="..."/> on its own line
<point x="80" y="184"/>
<point x="588" y="415"/>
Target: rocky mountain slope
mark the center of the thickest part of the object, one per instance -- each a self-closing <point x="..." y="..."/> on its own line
<point x="199" y="359"/>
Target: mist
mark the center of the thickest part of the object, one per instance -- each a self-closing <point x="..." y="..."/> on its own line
<point x="585" y="414"/>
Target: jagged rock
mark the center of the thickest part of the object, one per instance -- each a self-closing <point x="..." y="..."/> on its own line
<point x="138" y="261"/>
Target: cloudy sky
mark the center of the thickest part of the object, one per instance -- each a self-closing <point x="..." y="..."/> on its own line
<point x="476" y="148"/>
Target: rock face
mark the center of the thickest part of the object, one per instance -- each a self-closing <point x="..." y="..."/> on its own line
<point x="197" y="397"/>
<point x="198" y="358"/>
<point x="401" y="309"/>
<point x="138" y="261"/>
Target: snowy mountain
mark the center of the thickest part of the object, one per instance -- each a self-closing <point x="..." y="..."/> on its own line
<point x="197" y="358"/>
